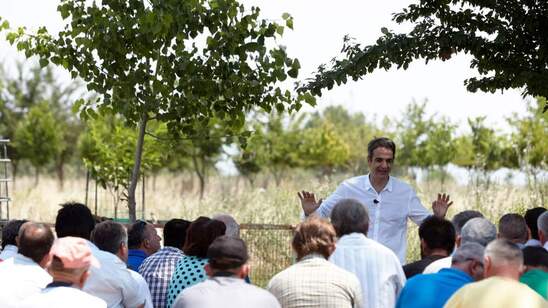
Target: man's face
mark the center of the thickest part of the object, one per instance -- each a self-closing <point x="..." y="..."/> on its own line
<point x="381" y="162"/>
<point x="152" y="239"/>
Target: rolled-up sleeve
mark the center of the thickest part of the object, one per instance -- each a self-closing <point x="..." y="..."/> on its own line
<point x="417" y="211"/>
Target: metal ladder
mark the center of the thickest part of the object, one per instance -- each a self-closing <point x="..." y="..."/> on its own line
<point x="4" y="180"/>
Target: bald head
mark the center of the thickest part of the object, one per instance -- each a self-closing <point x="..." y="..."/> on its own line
<point x="35" y="241"/>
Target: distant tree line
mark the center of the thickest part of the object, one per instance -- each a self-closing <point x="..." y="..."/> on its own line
<point x="36" y="114"/>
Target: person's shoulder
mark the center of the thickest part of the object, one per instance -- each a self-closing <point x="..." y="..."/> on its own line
<point x="399" y="184"/>
<point x="356" y="180"/>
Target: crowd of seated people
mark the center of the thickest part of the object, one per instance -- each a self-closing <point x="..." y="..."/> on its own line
<point x="467" y="261"/>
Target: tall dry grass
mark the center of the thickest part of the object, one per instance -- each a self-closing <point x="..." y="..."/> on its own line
<point x="171" y="196"/>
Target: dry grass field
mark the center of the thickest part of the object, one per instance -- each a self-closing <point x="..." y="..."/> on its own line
<point x="177" y="196"/>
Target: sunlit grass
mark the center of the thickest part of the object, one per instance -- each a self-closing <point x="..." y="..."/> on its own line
<point x="177" y="196"/>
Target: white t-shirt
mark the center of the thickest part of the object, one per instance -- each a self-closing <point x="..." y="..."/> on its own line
<point x="112" y="281"/>
<point x="63" y="297"/>
<point x="437" y="265"/>
<point x="20" y="277"/>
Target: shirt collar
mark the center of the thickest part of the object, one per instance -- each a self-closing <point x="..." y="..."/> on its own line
<point x="387" y="187"/>
<point x="458" y="272"/>
<point x="312" y="256"/>
<point x="137" y="253"/>
<point x="11" y="248"/>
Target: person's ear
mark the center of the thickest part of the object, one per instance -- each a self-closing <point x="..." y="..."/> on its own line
<point x="529" y="236"/>
<point x="244" y="271"/>
<point x="17" y="240"/>
<point x="487" y="264"/>
<point x="83" y="279"/>
<point x="458" y="241"/>
<point x="209" y="271"/>
<point x="46" y="261"/>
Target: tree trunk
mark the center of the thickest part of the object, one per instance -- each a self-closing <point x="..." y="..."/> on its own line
<point x="36" y="176"/>
<point x="60" y="170"/>
<point x="136" y="168"/>
<point x="200" y="172"/>
<point x="87" y="188"/>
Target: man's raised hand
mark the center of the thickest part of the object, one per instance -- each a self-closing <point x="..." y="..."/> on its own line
<point x="308" y="202"/>
<point x="441" y="205"/>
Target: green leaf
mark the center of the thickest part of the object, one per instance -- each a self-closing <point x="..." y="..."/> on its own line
<point x="384" y="31"/>
<point x="285" y="16"/>
<point x="43" y="62"/>
<point x="5" y="25"/>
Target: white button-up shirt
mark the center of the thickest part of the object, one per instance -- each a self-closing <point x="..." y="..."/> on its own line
<point x="112" y="281"/>
<point x="377" y="267"/>
<point x="387" y="215"/>
<point x="20" y="277"/>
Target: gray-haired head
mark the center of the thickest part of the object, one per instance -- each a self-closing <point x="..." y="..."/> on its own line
<point x="461" y="218"/>
<point x="542" y="224"/>
<point x="502" y="252"/>
<point x="513" y="227"/>
<point x="468" y="252"/>
<point x="232" y="226"/>
<point x="109" y="235"/>
<point x="478" y="230"/>
<point x="350" y="216"/>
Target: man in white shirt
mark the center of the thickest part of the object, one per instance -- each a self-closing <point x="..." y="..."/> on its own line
<point x="111" y="238"/>
<point x="71" y="259"/>
<point x="24" y="275"/>
<point x="377" y="267"/>
<point x="9" y="237"/>
<point x="390" y="201"/>
<point x="542" y="224"/>
<point x="110" y="280"/>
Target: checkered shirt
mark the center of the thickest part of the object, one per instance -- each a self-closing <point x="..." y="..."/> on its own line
<point x="157" y="270"/>
<point x="315" y="282"/>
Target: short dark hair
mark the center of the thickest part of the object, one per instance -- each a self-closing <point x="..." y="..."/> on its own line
<point x="35" y="240"/>
<point x="438" y="233"/>
<point x="349" y="216"/>
<point x="10" y="232"/>
<point x="535" y="256"/>
<point x="109" y="235"/>
<point x="380" y="142"/>
<point x="531" y="216"/>
<point x="200" y="235"/>
<point x="136" y="234"/>
<point x="461" y="218"/>
<point x="74" y="219"/>
<point x="513" y="228"/>
<point x="175" y="232"/>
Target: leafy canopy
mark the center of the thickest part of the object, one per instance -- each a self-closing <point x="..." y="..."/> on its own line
<point x="507" y="40"/>
<point x="181" y="62"/>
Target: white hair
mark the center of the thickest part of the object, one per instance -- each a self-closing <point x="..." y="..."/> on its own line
<point x="232" y="227"/>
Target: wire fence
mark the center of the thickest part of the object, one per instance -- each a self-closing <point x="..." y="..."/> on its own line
<point x="269" y="247"/>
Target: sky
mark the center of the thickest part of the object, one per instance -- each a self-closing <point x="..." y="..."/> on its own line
<point x="319" y="28"/>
